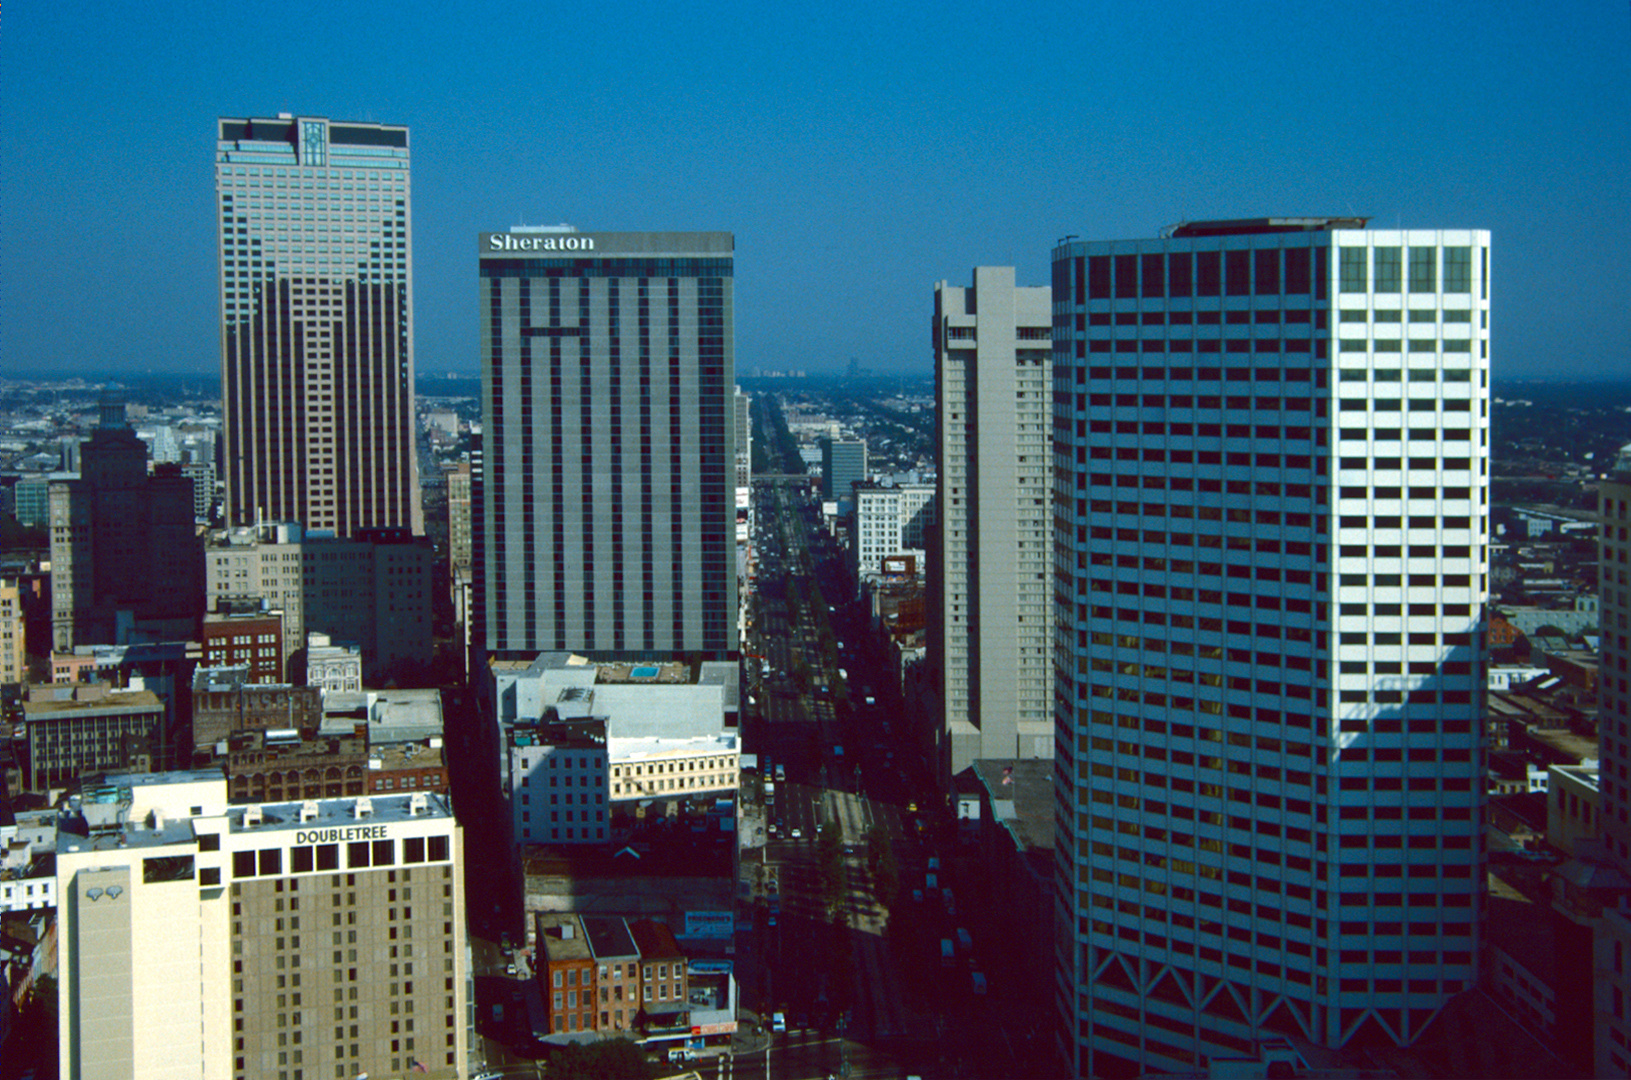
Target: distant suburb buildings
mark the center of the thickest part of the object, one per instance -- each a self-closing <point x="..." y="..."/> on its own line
<point x="606" y="517"/>
<point x="316" y="323"/>
<point x="1271" y="518"/>
<point x="991" y="619"/>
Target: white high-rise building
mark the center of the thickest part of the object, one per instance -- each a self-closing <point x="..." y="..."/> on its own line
<point x="990" y="627"/>
<point x="1271" y="445"/>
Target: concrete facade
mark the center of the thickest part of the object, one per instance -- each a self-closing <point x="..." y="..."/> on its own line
<point x="201" y="940"/>
<point x="990" y="624"/>
<point x="1272" y="511"/>
<point x="372" y="590"/>
<point x="891" y="521"/>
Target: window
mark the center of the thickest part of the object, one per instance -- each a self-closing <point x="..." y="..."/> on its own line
<point x="1423" y="269"/>
<point x="1208" y="273"/>
<point x="1151" y="267"/>
<point x="1098" y="277"/>
<point x="1237" y="273"/>
<point x="1179" y="274"/>
<point x="1268" y="271"/>
<point x="1387" y="270"/>
<point x="1126" y="276"/>
<point x="1352" y="277"/>
<point x="1458" y="269"/>
<point x="1298" y="263"/>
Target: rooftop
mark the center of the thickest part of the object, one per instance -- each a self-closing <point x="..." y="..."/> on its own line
<point x="1021" y="795"/>
<point x="130" y="701"/>
<point x="655" y="940"/>
<point x="609" y="936"/>
<point x="1258" y="226"/>
<point x="561" y="937"/>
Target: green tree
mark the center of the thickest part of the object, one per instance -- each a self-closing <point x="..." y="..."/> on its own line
<point x="830" y="860"/>
<point x="883" y="866"/>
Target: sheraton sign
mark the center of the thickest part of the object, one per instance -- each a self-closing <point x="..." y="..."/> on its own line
<point x="556" y="242"/>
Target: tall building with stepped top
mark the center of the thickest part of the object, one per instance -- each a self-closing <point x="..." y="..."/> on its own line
<point x="317" y="323"/>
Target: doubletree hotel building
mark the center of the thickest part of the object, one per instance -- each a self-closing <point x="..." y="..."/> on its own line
<point x="606" y="519"/>
<point x="295" y="941"/>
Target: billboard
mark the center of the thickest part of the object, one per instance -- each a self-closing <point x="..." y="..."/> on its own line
<point x="710" y="924"/>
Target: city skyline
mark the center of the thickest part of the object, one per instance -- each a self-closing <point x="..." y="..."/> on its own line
<point x="821" y="151"/>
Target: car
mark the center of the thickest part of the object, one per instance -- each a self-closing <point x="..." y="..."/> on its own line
<point x="681" y="1055"/>
<point x="509" y="969"/>
<point x="798" y="833"/>
<point x="778" y="1023"/>
<point x="771" y="921"/>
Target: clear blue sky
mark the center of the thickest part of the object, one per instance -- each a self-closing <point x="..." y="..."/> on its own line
<point x="859" y="152"/>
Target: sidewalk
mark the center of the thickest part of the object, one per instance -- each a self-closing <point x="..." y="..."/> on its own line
<point x="751" y="1036"/>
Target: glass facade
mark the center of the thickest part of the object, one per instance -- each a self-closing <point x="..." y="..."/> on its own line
<point x="608" y="501"/>
<point x="317" y="323"/>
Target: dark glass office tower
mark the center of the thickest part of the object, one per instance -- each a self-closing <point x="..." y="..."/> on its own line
<point x="607" y="515"/>
<point x="317" y="323"/>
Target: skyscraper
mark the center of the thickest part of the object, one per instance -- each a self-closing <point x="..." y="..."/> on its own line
<point x="990" y="624"/>
<point x="606" y="510"/>
<point x="317" y="323"/>
<point x="843" y="464"/>
<point x="125" y="554"/>
<point x="1611" y="969"/>
<point x="1271" y="516"/>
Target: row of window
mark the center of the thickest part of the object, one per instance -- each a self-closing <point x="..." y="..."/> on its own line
<point x="361" y="854"/>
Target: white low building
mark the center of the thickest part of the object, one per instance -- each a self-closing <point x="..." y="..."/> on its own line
<point x="582" y="736"/>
